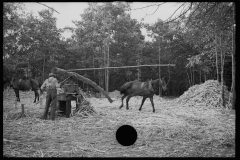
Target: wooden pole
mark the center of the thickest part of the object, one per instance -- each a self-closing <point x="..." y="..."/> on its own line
<point x="43" y="66"/>
<point x="84" y="79"/>
<point x="153" y="65"/>
<point x="23" y="114"/>
<point x="216" y="54"/>
<point x="22" y="109"/>
<point x="107" y="84"/>
<point x="138" y="66"/>
<point x="159" y="57"/>
<point x="222" y="70"/>
<point x="233" y="67"/>
<point x="105" y="65"/>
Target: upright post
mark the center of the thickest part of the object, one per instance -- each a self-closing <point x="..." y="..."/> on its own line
<point x="138" y="66"/>
<point x="15" y="103"/>
<point x="23" y="114"/>
<point x="107" y="84"/>
<point x="160" y="89"/>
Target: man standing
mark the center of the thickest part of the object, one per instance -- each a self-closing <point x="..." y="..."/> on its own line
<point x="51" y="84"/>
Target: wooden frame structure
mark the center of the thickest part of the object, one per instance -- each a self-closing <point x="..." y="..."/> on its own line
<point x="106" y="68"/>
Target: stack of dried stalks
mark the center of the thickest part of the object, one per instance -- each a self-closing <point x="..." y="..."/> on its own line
<point x="84" y="107"/>
<point x="207" y="94"/>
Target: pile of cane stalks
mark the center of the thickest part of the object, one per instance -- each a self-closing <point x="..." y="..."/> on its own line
<point x="208" y="94"/>
<point x="83" y="107"/>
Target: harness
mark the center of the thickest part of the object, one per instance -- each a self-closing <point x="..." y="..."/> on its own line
<point x="49" y="84"/>
<point x="142" y="84"/>
<point x="50" y="87"/>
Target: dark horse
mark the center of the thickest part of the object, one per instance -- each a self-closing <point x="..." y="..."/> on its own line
<point x="144" y="89"/>
<point x="25" y="85"/>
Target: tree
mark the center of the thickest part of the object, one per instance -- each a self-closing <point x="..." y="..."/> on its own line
<point x="106" y="34"/>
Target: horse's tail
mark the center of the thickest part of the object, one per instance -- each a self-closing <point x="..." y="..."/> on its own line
<point x="125" y="87"/>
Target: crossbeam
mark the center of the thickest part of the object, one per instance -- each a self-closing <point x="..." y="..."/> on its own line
<point x="150" y="65"/>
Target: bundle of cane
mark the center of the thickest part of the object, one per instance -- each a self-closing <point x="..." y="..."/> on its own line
<point x="84" y="107"/>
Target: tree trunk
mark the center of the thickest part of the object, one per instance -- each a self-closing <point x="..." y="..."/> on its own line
<point x="189" y="79"/>
<point x="233" y="70"/>
<point x="107" y="82"/>
<point x="193" y="76"/>
<point x="222" y="71"/>
<point x="104" y="65"/>
<point x="200" y="77"/>
<point x="81" y="78"/>
<point x="102" y="72"/>
<point x="28" y="70"/>
<point x="43" y="67"/>
<point x="94" y="72"/>
<point x="106" y="61"/>
<point x="216" y="57"/>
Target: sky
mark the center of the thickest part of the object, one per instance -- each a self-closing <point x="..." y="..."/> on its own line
<point x="70" y="11"/>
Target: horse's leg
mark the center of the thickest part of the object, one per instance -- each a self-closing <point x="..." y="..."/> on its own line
<point x="151" y="99"/>
<point x="143" y="100"/>
<point x="17" y="94"/>
<point x="128" y="98"/>
<point x="122" y="101"/>
<point x="36" y="96"/>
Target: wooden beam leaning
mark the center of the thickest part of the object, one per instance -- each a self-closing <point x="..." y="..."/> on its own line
<point x="153" y="65"/>
<point x="81" y="78"/>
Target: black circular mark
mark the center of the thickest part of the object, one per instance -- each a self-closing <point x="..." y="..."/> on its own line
<point x="126" y="135"/>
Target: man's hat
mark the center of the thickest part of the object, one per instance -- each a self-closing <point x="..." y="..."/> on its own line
<point x="51" y="74"/>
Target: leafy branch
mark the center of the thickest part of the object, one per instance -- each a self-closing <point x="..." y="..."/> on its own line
<point x="148" y="6"/>
<point x="48" y="7"/>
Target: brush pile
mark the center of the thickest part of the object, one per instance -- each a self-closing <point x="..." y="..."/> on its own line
<point x="206" y="94"/>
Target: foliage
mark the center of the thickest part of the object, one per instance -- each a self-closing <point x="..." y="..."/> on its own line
<point x="190" y="42"/>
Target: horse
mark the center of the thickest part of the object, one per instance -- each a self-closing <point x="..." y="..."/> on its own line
<point x="25" y="85"/>
<point x="145" y="89"/>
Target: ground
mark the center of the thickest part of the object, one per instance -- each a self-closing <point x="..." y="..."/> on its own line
<point x="172" y="131"/>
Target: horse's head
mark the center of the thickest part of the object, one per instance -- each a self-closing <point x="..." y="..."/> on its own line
<point x="164" y="84"/>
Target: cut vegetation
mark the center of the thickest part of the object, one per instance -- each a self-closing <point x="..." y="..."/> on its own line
<point x="175" y="130"/>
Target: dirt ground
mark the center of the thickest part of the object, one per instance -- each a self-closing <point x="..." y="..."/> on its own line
<point x="172" y="131"/>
